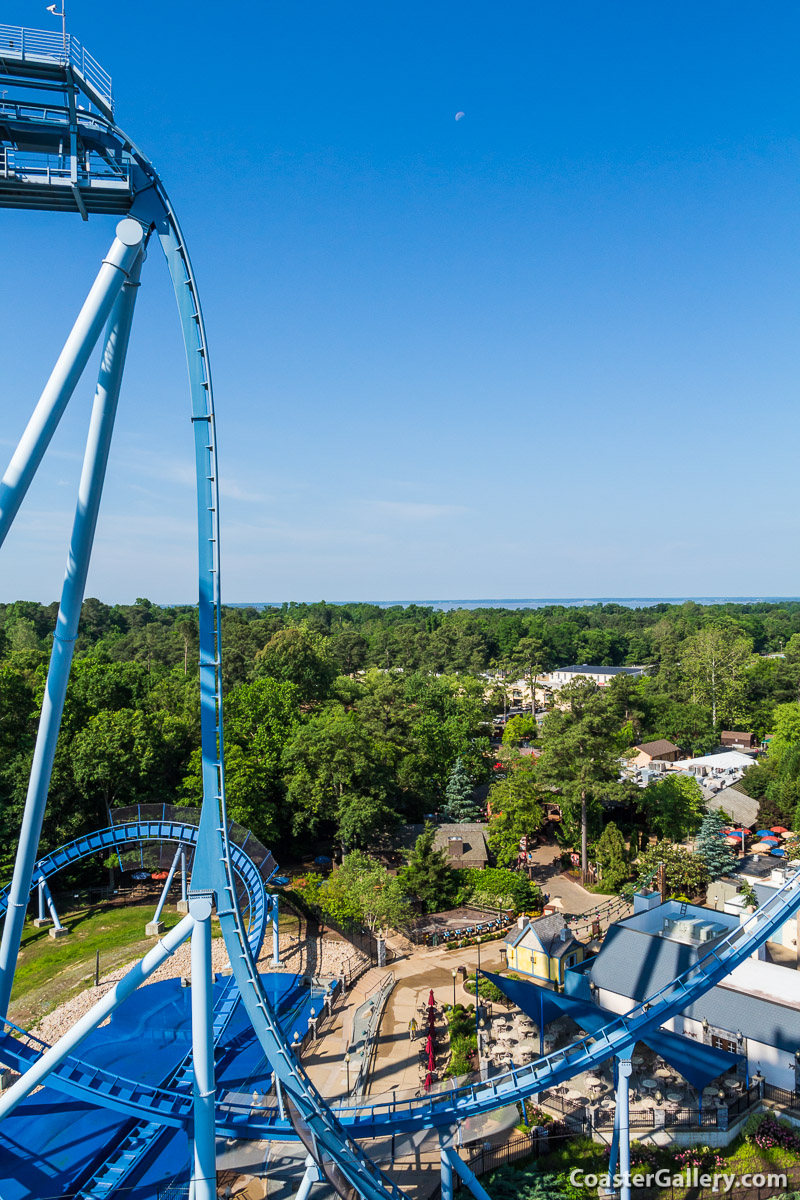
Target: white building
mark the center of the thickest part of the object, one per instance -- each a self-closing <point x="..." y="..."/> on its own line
<point x="601" y="675"/>
<point x="755" y="1011"/>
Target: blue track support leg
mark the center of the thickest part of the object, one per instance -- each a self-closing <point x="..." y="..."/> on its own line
<point x="89" y="493"/>
<point x="466" y="1176"/>
<point x="276" y="945"/>
<point x="42" y="920"/>
<point x="58" y="929"/>
<point x="623" y="1117"/>
<point x="115" y="270"/>
<point x="447" y="1172"/>
<point x="204" y="1174"/>
<point x="312" y="1176"/>
<point x="154" y="927"/>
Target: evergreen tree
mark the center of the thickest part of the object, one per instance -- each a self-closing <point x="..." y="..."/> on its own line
<point x="459" y="805"/>
<point x="610" y="854"/>
<point x="718" y="857"/>
<point x="427" y="875"/>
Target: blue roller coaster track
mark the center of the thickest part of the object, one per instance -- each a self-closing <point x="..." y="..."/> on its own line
<point x="59" y="155"/>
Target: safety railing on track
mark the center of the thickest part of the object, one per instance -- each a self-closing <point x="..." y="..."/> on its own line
<point x="40" y="47"/>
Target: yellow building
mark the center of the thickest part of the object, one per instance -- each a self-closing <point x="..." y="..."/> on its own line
<point x="543" y="949"/>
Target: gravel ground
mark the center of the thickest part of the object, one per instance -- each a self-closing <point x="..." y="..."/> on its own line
<point x="315" y="956"/>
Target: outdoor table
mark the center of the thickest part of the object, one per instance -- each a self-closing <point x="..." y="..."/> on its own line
<point x="648" y="1102"/>
<point x="663" y="1073"/>
<point x="675" y="1097"/>
<point x="649" y="1083"/>
<point x="607" y="1103"/>
<point x="637" y="1060"/>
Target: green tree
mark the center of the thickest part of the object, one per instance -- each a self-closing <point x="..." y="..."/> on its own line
<point x="330" y="763"/>
<point x="711" y="847"/>
<point x="610" y="854"/>
<point x="686" y="873"/>
<point x="518" y="728"/>
<point x="498" y="888"/>
<point x="515" y="811"/>
<point x="365" y="889"/>
<point x="427" y="876"/>
<point x="581" y="749"/>
<point x="300" y="657"/>
<point x="459" y="804"/>
<point x="785" y="730"/>
<point x="123" y="756"/>
<point x="673" y="806"/>
<point x="714" y="662"/>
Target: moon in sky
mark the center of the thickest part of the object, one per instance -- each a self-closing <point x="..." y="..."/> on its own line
<point x="459" y="115"/>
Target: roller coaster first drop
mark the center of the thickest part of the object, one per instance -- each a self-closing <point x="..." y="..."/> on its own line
<point x="61" y="155"/>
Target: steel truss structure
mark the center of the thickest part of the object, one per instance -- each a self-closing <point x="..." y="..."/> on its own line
<point x="59" y="154"/>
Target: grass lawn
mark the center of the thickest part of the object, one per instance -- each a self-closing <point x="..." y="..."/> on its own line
<point x="51" y="970"/>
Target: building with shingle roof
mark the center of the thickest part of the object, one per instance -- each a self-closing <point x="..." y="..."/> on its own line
<point x="543" y="948"/>
<point x="754" y="1012"/>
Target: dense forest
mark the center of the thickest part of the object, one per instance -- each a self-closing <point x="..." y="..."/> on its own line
<point x="342" y="720"/>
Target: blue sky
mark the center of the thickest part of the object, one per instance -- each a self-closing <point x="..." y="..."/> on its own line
<point x="550" y="349"/>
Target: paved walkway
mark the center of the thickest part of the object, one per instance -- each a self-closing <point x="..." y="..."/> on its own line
<point x="546" y="871"/>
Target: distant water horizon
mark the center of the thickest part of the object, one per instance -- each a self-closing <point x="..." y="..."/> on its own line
<point x="539" y="602"/>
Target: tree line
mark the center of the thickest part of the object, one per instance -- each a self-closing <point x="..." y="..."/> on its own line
<point x="344" y="720"/>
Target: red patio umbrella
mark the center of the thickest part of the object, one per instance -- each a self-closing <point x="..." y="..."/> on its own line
<point x="431" y="1001"/>
<point x="428" y="1081"/>
<point x="159" y="875"/>
<point x="431" y="1059"/>
<point x="779" y="829"/>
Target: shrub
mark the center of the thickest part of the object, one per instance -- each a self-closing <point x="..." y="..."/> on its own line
<point x="767" y="1132"/>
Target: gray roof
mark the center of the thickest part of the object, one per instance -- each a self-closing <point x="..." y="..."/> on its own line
<point x="741" y="807"/>
<point x="586" y="668"/>
<point x="472" y="833"/>
<point x="636" y="964"/>
<point x="548" y="930"/>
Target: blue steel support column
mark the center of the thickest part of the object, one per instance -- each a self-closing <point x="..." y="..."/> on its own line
<point x="312" y="1175"/>
<point x="78" y="347"/>
<point x="89" y="493"/>
<point x="276" y="945"/>
<point x="466" y="1176"/>
<point x="154" y="927"/>
<point x="37" y="1073"/>
<point x="623" y="1114"/>
<point x="58" y="929"/>
<point x="446" y="1168"/>
<point x="204" y="1174"/>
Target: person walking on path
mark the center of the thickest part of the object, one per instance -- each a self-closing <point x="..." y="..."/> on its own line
<point x="412" y="1029"/>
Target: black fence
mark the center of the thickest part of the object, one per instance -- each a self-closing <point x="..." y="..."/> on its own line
<point x="695" y="1118"/>
<point x="359" y="939"/>
<point x="782" y="1096"/>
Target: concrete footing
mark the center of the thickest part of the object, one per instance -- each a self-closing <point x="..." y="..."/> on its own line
<point x="183" y="906"/>
<point x="57" y="933"/>
<point x="41" y="922"/>
<point x="154" y="928"/>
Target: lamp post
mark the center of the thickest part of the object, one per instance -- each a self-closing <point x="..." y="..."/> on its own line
<point x="454" y="974"/>
<point x="347" y="1067"/>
